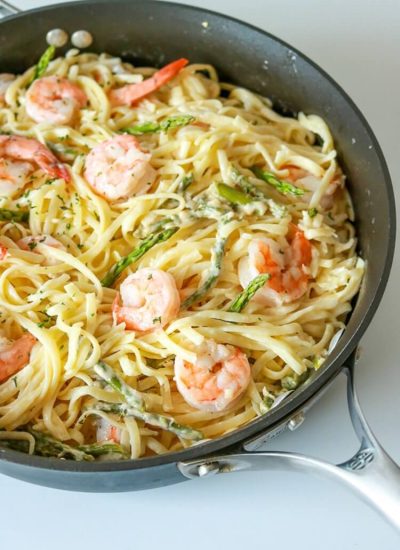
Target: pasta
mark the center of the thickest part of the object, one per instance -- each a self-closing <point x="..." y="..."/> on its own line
<point x="224" y="171"/>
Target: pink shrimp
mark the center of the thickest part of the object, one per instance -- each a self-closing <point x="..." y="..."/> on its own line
<point x="131" y="93"/>
<point x="54" y="100"/>
<point x="216" y="380"/>
<point x="5" y="81"/>
<point x="14" y="355"/>
<point x="118" y="168"/>
<point x="31" y="242"/>
<point x="3" y="252"/>
<point x="150" y="300"/>
<point x="311" y="183"/>
<point x="287" y="268"/>
<point x="18" y="155"/>
<point x="107" y="432"/>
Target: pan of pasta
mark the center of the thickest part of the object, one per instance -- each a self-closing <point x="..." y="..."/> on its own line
<point x="196" y="227"/>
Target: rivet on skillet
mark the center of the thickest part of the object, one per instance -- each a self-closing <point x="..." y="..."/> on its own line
<point x="82" y="39"/>
<point x="296" y="421"/>
<point x="57" y="38"/>
<point x="206" y="470"/>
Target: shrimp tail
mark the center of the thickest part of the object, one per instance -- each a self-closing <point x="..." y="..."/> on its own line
<point x="130" y="94"/>
<point x="48" y="162"/>
<point x="61" y="171"/>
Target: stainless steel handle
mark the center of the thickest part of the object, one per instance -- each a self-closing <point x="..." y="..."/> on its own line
<point x="371" y="473"/>
<point x="7" y="9"/>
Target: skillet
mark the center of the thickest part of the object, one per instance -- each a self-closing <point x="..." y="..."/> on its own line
<point x="245" y="55"/>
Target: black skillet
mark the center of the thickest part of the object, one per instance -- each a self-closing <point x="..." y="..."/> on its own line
<point x="153" y="33"/>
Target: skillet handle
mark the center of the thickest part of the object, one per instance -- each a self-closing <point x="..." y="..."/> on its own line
<point x="7" y="9"/>
<point x="370" y="473"/>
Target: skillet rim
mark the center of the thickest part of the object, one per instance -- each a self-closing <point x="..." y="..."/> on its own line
<point x="336" y="359"/>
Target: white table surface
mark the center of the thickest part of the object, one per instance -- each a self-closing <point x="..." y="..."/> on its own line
<point x="358" y="43"/>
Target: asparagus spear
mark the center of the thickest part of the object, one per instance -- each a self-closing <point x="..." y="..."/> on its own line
<point x="131" y="396"/>
<point x="293" y="381"/>
<point x="246" y="186"/>
<point x="15" y="444"/>
<point x="283" y="187"/>
<point x="214" y="273"/>
<point x="312" y="212"/>
<point x="153" y="419"/>
<point x="43" y="62"/>
<point x="98" y="449"/>
<point x="137" y="253"/>
<point x="186" y="181"/>
<point x="131" y="409"/>
<point x="244" y="297"/>
<point x="155" y="127"/>
<point x="201" y="209"/>
<point x="49" y="446"/>
<point x="233" y="195"/>
<point x="13" y="215"/>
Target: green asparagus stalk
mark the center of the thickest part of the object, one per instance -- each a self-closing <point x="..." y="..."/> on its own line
<point x="283" y="187"/>
<point x="137" y="253"/>
<point x="214" y="273"/>
<point x="131" y="396"/>
<point x="235" y="196"/>
<point x="245" y="185"/>
<point x="293" y="381"/>
<point x="244" y="297"/>
<point x="153" y="419"/>
<point x="201" y="209"/>
<point x="155" y="127"/>
<point x="185" y="183"/>
<point x="135" y="408"/>
<point x="13" y="215"/>
<point x="43" y="62"/>
<point x="45" y="445"/>
<point x="99" y="449"/>
<point x="20" y="445"/>
<point x="312" y="212"/>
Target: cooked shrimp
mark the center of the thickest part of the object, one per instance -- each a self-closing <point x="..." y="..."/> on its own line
<point x="17" y="156"/>
<point x="14" y="355"/>
<point x="3" y="252"/>
<point x="287" y="268"/>
<point x="54" y="100"/>
<point x="218" y="378"/>
<point x="107" y="432"/>
<point x="150" y="300"/>
<point x="31" y="242"/>
<point x="5" y="81"/>
<point x="308" y="182"/>
<point x="118" y="168"/>
<point x="131" y="93"/>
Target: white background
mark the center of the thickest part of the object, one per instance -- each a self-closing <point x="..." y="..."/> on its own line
<point x="358" y="43"/>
